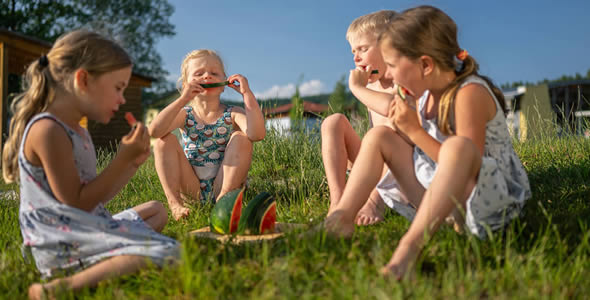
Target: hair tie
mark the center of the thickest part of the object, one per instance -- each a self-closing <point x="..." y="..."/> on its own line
<point x="459" y="58"/>
<point x="43" y="61"/>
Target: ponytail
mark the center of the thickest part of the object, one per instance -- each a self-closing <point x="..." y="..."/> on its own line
<point x="446" y="111"/>
<point x="79" y="49"/>
<point x="39" y="93"/>
<point x="427" y="30"/>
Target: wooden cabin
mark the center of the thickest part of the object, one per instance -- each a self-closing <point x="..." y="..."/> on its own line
<point x="17" y="51"/>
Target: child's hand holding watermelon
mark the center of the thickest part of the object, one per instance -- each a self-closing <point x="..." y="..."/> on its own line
<point x="135" y="146"/>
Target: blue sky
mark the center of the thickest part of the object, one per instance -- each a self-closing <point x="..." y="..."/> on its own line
<point x="273" y="43"/>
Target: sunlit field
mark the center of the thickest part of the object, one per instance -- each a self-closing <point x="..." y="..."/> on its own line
<point x="544" y="254"/>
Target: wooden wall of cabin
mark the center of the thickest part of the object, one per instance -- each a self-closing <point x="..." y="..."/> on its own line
<point x="107" y="136"/>
<point x="16" y="60"/>
<point x="16" y="53"/>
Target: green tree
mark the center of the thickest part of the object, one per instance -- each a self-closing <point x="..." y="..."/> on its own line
<point x="296" y="111"/>
<point x="136" y="24"/>
<point x="338" y="100"/>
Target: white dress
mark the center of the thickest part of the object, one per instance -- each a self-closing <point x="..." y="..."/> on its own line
<point x="502" y="186"/>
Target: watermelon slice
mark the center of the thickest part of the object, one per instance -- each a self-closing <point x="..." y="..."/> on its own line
<point x="212" y="85"/>
<point x="268" y="219"/>
<point x="130" y="119"/>
<point x="260" y="215"/>
<point x="402" y="92"/>
<point x="226" y="214"/>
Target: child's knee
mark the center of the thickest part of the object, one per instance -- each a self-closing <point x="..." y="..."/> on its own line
<point x="161" y="143"/>
<point x="378" y="133"/>
<point x="156" y="206"/>
<point x="159" y="213"/>
<point x="333" y="123"/>
<point x="241" y="141"/>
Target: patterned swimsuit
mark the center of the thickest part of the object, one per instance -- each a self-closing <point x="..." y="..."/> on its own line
<point x="204" y="147"/>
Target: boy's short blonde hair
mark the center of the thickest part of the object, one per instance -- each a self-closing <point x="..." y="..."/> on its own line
<point x="373" y="23"/>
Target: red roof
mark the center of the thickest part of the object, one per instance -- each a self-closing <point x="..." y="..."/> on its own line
<point x="307" y="107"/>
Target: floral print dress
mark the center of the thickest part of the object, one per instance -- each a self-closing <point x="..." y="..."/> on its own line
<point x="502" y="185"/>
<point x="64" y="238"/>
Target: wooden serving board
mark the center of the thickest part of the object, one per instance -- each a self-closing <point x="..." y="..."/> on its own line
<point x="280" y="229"/>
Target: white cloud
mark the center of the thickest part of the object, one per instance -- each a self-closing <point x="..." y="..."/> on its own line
<point x="277" y="91"/>
<point x="311" y="88"/>
<point x="308" y="88"/>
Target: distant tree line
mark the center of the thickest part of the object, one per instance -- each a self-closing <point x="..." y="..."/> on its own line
<point x="563" y="78"/>
<point x="136" y="24"/>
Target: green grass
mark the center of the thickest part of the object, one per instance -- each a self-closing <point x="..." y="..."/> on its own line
<point x="544" y="254"/>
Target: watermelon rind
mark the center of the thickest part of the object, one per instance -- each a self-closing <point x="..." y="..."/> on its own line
<point x="249" y="213"/>
<point x="253" y="213"/>
<point x="221" y="214"/>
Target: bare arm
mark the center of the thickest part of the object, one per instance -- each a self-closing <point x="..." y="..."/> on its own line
<point x="173" y="115"/>
<point x="474" y="107"/>
<point x="249" y="119"/>
<point x="378" y="102"/>
<point x="48" y="143"/>
<point x="168" y="119"/>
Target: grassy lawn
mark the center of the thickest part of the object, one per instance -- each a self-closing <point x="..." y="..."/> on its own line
<point x="544" y="254"/>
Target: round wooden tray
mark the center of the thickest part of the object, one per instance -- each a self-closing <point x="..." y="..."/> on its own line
<point x="280" y="229"/>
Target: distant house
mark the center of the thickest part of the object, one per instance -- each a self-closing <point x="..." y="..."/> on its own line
<point x="17" y="51"/>
<point x="278" y="117"/>
<point x="536" y="110"/>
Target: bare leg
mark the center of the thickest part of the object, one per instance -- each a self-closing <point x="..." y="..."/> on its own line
<point x="377" y="148"/>
<point x="176" y="174"/>
<point x="459" y="162"/>
<point x="154" y="214"/>
<point x="372" y="212"/>
<point x="109" y="268"/>
<point x="340" y="146"/>
<point x="235" y="166"/>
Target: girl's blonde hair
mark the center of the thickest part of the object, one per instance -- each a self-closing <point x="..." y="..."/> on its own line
<point x="192" y="55"/>
<point x="78" y="49"/>
<point x="373" y="24"/>
<point x="426" y="30"/>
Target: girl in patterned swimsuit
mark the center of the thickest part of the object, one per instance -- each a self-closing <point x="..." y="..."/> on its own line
<point x="450" y="155"/>
<point x="216" y="152"/>
<point x="62" y="218"/>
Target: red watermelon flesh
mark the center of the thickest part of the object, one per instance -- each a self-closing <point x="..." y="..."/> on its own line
<point x="235" y="215"/>
<point x="226" y="212"/>
<point x="269" y="219"/>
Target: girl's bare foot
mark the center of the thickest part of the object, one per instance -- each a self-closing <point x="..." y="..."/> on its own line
<point x="336" y="225"/>
<point x="36" y="292"/>
<point x="179" y="212"/>
<point x="332" y="207"/>
<point x="401" y="264"/>
<point x="371" y="213"/>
